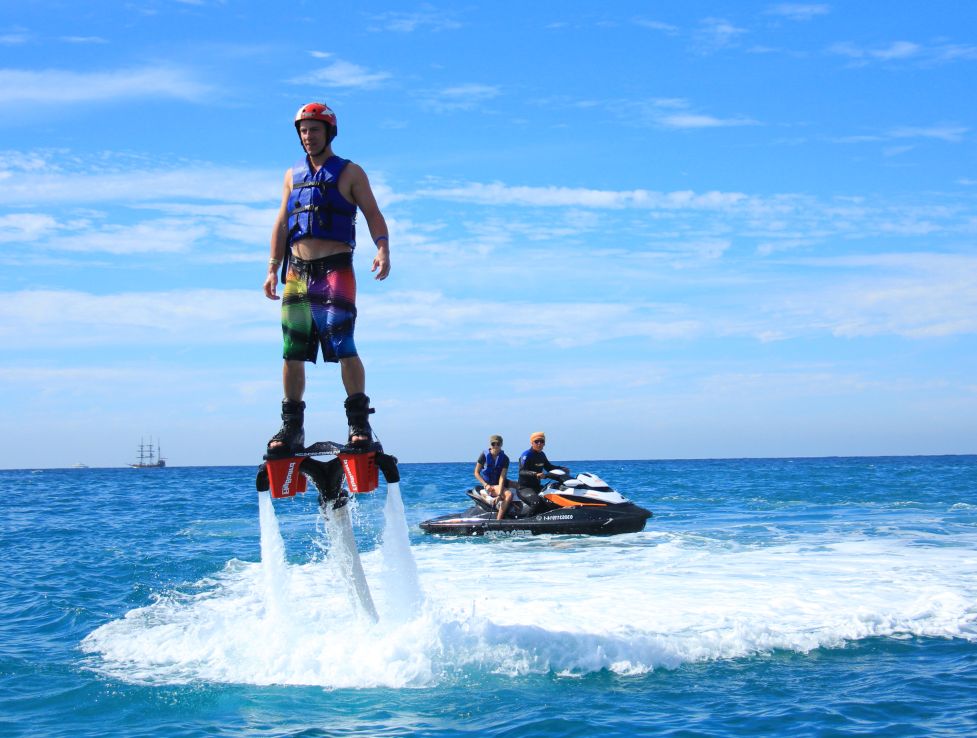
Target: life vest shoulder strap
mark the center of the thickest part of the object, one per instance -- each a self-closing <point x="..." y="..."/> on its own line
<point x="303" y="176"/>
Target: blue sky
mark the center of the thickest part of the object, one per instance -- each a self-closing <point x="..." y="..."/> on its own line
<point x="653" y="230"/>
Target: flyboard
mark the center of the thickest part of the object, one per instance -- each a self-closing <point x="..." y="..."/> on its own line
<point x="287" y="475"/>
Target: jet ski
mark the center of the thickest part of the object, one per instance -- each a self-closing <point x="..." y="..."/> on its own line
<point x="585" y="504"/>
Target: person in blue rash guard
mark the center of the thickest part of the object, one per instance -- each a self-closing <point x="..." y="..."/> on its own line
<point x="491" y="471"/>
<point x="533" y="466"/>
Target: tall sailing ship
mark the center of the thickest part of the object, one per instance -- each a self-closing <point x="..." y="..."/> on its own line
<point x="148" y="458"/>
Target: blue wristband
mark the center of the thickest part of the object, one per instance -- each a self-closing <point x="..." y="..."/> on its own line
<point x="378" y="239"/>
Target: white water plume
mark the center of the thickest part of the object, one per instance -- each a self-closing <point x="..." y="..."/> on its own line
<point x="274" y="569"/>
<point x="344" y="559"/>
<point x="400" y="579"/>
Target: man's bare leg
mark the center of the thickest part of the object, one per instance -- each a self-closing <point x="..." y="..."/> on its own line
<point x="505" y="497"/>
<point x="293" y="380"/>
<point x="354" y="375"/>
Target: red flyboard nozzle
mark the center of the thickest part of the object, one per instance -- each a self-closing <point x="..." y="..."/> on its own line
<point x="284" y="477"/>
<point x="361" y="471"/>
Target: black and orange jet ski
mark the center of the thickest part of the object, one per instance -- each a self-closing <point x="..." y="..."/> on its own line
<point x="584" y="504"/>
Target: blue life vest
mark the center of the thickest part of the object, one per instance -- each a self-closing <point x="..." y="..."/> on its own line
<point x="494" y="465"/>
<point x="316" y="209"/>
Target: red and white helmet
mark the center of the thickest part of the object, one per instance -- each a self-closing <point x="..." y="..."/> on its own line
<point x="318" y="111"/>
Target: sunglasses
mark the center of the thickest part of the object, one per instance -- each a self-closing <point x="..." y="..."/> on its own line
<point x="495" y="443"/>
<point x="539" y="441"/>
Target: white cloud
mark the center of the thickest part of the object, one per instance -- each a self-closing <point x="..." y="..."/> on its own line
<point x="148" y="237"/>
<point x="656" y="25"/>
<point x="239" y="223"/>
<point x="194" y="317"/>
<point x="906" y="307"/>
<point x="706" y="248"/>
<point x="470" y="91"/>
<point x="920" y="295"/>
<point x="461" y="97"/>
<point x="893" y="151"/>
<point x="342" y="74"/>
<point x="517" y="323"/>
<point x="426" y="19"/>
<point x="897" y="50"/>
<point x="577" y="378"/>
<point x="25" y="227"/>
<point x="799" y="11"/>
<point x="671" y="103"/>
<point x="79" y="377"/>
<point x="179" y="317"/>
<point x="910" y="295"/>
<point x="951" y="133"/>
<point x="766" y="248"/>
<point x="915" y="296"/>
<point x="696" y="120"/>
<point x="954" y="52"/>
<point x="57" y="88"/>
<point x="15" y="37"/>
<point x="677" y="113"/>
<point x="498" y="193"/>
<point x="84" y="40"/>
<point x="34" y="177"/>
<point x="12" y="162"/>
<point x="715" y="34"/>
<point x="222" y="227"/>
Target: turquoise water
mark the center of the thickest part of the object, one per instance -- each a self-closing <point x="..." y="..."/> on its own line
<point x="803" y="597"/>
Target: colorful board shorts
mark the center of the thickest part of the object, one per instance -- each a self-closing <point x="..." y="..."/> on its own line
<point x="319" y="307"/>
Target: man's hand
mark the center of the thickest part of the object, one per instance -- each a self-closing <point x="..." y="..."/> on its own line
<point x="381" y="262"/>
<point x="271" y="285"/>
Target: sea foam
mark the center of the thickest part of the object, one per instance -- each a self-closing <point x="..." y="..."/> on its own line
<point x="630" y="604"/>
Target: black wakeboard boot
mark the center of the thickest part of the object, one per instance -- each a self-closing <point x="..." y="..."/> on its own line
<point x="358" y="412"/>
<point x="291" y="437"/>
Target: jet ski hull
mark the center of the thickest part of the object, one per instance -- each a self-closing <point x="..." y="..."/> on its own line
<point x="588" y="520"/>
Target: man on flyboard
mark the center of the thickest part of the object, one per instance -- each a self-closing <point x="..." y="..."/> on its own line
<point x="313" y="241"/>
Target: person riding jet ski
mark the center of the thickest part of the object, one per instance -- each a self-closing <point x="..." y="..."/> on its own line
<point x="491" y="472"/>
<point x="533" y="466"/>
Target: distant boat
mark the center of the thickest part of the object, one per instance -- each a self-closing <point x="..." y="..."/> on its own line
<point x="79" y="465"/>
<point x="148" y="458"/>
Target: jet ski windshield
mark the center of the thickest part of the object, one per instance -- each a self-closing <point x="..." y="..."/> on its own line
<point x="589" y="485"/>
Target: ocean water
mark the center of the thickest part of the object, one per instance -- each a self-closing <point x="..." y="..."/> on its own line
<point x="814" y="597"/>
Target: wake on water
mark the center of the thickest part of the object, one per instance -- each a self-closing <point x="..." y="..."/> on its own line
<point x="517" y="606"/>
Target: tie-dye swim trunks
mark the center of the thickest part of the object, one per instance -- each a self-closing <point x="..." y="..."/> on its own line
<point x="319" y="307"/>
